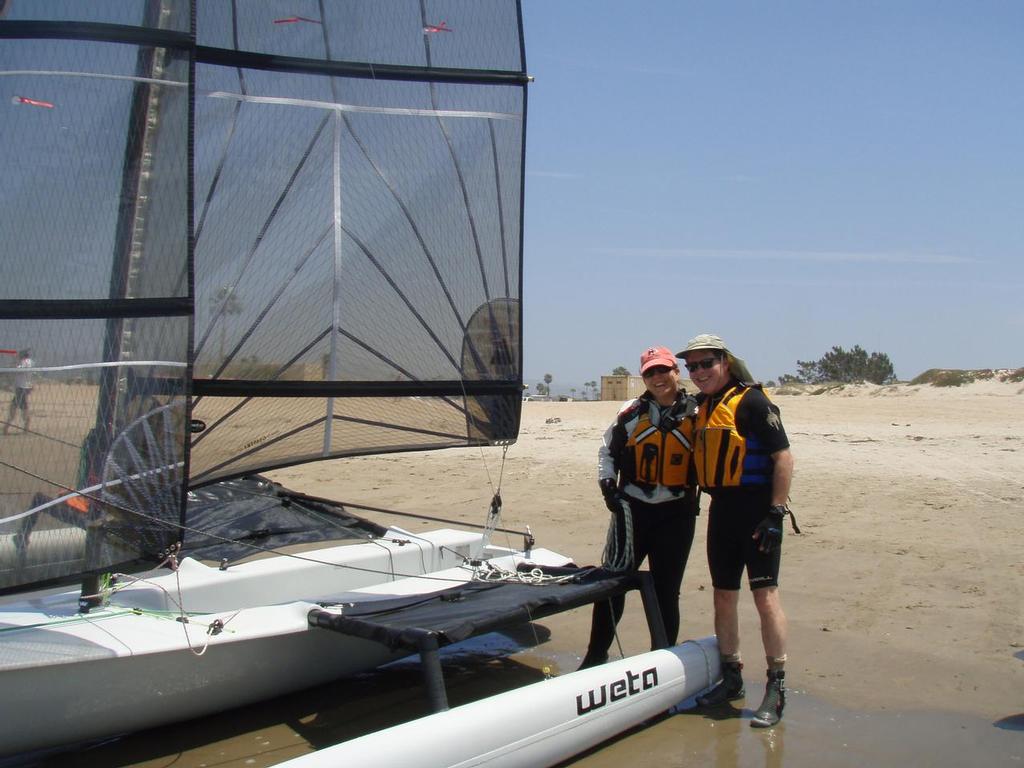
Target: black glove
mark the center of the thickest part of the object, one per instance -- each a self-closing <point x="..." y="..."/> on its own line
<point x="769" y="531"/>
<point x="610" y="491"/>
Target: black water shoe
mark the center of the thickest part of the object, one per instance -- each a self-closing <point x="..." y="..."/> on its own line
<point x="770" y="711"/>
<point x="730" y="689"/>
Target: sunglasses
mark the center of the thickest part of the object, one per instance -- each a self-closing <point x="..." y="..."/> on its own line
<point x="706" y="363"/>
<point x="656" y="370"/>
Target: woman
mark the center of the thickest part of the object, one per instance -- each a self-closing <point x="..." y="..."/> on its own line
<point x="645" y="475"/>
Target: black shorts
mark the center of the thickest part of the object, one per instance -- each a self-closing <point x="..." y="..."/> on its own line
<point x="731" y="547"/>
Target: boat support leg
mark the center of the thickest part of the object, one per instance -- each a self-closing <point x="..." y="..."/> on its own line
<point x="423" y="641"/>
<point x="433" y="676"/>
<point x="654" y="623"/>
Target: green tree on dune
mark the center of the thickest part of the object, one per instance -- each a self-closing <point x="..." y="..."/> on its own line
<point x="844" y="366"/>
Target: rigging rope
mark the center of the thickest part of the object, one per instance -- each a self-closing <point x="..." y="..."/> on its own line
<point x="256" y="548"/>
<point x="618" y="547"/>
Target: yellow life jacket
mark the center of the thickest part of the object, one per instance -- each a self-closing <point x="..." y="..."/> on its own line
<point x="659" y="456"/>
<point x="722" y="456"/>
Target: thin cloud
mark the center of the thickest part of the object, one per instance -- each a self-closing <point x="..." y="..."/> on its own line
<point x="618" y="68"/>
<point x="886" y="283"/>
<point x="822" y="257"/>
<point x="554" y="175"/>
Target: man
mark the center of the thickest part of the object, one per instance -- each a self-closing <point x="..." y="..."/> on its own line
<point x="22" y="389"/>
<point x="644" y="474"/>
<point x="742" y="460"/>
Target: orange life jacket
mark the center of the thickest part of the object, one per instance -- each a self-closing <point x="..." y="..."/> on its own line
<point x="722" y="456"/>
<point x="659" y="455"/>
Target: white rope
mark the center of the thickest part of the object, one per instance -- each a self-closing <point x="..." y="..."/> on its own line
<point x="489" y="572"/>
<point x="94" y="366"/>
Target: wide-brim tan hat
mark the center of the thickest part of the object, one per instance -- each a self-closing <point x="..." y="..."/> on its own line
<point x="737" y="367"/>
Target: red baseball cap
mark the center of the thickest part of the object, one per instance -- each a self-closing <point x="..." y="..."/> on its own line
<point x="653" y="356"/>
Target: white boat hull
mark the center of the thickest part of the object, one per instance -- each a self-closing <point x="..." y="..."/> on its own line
<point x="117" y="669"/>
<point x="540" y="724"/>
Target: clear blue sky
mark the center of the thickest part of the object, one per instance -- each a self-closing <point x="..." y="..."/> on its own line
<point x="791" y="175"/>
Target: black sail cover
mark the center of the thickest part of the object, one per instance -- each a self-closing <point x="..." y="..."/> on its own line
<point x="240" y="236"/>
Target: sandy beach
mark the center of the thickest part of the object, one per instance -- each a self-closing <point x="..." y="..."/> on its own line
<point x="904" y="592"/>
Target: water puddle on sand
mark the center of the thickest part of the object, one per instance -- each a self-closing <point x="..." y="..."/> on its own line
<point x="814" y="733"/>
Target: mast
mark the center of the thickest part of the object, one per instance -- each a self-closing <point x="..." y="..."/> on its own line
<point x="143" y="122"/>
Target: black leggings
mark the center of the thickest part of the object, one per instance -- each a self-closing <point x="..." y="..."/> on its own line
<point x="663" y="533"/>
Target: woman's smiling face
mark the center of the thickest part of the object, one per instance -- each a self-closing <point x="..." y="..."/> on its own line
<point x="662" y="382"/>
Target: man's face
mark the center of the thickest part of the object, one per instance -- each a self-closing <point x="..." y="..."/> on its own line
<point x="707" y="370"/>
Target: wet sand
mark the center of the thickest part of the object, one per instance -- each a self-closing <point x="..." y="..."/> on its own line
<point x="815" y="732"/>
<point x="904" y="593"/>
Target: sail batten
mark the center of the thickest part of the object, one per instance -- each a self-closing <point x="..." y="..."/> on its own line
<point x="361" y="70"/>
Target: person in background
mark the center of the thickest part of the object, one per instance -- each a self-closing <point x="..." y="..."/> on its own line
<point x="22" y="389"/>
<point x="644" y="473"/>
<point x="742" y="460"/>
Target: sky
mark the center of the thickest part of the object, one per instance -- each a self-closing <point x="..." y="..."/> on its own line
<point x="792" y="176"/>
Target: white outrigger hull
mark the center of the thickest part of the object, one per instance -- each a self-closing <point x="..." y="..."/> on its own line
<point x="132" y="664"/>
<point x="540" y="724"/>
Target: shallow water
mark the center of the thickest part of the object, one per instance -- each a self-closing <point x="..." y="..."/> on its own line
<point x="813" y="733"/>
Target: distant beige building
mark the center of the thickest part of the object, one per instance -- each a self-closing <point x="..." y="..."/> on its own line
<point x="621" y="388"/>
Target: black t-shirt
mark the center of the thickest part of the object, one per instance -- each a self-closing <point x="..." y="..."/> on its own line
<point x="759" y="417"/>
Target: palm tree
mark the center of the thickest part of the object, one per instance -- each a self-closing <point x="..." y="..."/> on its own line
<point x="226" y="303"/>
<point x="547" y="383"/>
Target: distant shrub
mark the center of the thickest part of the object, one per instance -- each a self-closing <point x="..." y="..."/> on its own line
<point x="1016" y="376"/>
<point x="788" y="389"/>
<point x="941" y="377"/>
<point x="831" y="387"/>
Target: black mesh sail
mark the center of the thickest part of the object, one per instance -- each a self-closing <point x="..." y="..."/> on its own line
<point x="358" y="201"/>
<point x="239" y="236"/>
